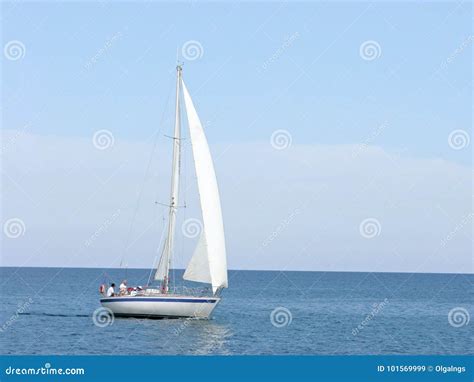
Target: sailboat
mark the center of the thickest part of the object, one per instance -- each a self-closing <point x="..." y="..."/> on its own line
<point x="208" y="264"/>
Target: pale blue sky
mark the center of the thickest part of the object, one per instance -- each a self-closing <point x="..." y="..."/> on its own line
<point x="263" y="67"/>
<point x="335" y="96"/>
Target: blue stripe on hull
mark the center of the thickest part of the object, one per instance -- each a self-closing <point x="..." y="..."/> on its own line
<point x="152" y="316"/>
<point x="156" y="299"/>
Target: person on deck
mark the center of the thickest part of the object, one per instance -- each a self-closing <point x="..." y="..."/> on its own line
<point x="111" y="290"/>
<point x="123" y="288"/>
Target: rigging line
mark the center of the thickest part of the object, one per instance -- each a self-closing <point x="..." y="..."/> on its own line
<point x="180" y="149"/>
<point x="157" y="259"/>
<point x="170" y="137"/>
<point x="142" y="187"/>
<point x="157" y="254"/>
<point x="169" y="205"/>
<point x="185" y="176"/>
<point x="178" y="255"/>
<point x="177" y="144"/>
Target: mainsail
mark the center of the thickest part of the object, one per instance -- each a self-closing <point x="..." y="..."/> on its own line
<point x="208" y="264"/>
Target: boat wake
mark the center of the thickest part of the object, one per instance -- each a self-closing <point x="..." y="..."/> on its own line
<point x="53" y="314"/>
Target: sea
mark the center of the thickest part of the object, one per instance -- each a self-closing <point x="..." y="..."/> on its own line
<point x="57" y="311"/>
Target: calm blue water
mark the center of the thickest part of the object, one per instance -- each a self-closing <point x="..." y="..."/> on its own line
<point x="331" y="313"/>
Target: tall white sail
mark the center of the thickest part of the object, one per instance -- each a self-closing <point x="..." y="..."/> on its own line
<point x="162" y="273"/>
<point x="208" y="264"/>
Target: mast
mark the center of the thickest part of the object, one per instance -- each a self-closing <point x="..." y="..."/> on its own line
<point x="174" y="193"/>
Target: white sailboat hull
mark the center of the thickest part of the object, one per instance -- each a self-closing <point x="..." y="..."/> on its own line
<point x="160" y="306"/>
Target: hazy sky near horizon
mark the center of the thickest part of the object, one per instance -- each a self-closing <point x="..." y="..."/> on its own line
<point x="340" y="132"/>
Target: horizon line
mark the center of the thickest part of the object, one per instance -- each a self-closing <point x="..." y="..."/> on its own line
<point x="245" y="270"/>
